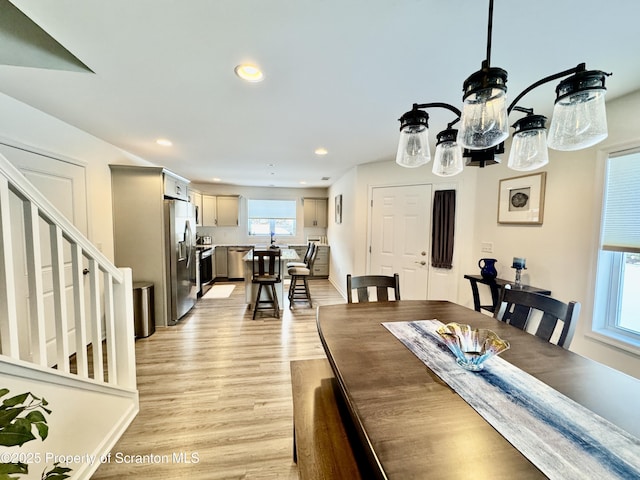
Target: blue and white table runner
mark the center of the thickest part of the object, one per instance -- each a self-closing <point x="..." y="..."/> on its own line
<point x="559" y="436"/>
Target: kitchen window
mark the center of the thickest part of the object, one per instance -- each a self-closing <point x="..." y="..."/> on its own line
<point x="267" y="217"/>
<point x="617" y="305"/>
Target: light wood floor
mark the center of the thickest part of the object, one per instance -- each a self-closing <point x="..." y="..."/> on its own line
<point x="216" y="388"/>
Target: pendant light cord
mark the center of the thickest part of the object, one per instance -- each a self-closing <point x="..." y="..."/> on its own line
<point x="489" y="34"/>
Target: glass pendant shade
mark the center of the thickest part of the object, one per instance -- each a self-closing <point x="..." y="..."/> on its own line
<point x="448" y="157"/>
<point x="529" y="145"/>
<point x="484" y="120"/>
<point x="579" y="115"/>
<point x="413" y="147"/>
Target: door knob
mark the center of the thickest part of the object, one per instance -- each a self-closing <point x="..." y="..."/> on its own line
<point x="422" y="262"/>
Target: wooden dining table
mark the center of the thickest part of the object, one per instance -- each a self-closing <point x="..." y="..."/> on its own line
<point x="411" y="424"/>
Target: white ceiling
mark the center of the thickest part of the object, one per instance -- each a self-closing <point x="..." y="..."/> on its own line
<point x="339" y="73"/>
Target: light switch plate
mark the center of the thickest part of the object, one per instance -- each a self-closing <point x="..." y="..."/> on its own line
<point x="486" y="247"/>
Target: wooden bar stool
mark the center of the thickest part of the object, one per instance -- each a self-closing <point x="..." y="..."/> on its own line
<point x="266" y="272"/>
<point x="299" y="287"/>
<point x="305" y="260"/>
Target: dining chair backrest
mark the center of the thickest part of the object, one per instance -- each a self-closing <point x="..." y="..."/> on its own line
<point x="381" y="283"/>
<point x="266" y="265"/>
<point x="517" y="307"/>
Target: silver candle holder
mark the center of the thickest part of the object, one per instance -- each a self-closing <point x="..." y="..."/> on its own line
<point x="519" y="264"/>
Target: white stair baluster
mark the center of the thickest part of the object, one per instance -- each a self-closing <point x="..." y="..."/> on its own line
<point x="36" y="289"/>
<point x="8" y="311"/>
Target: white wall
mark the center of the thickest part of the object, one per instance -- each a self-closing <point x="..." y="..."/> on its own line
<point x="23" y="125"/>
<point x="349" y="241"/>
<point x="561" y="252"/>
<point x="341" y="236"/>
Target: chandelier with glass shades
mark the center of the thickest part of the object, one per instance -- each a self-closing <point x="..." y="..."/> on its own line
<point x="579" y="121"/>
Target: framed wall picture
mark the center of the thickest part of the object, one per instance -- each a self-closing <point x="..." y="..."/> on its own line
<point x="521" y="199"/>
<point x="339" y="208"/>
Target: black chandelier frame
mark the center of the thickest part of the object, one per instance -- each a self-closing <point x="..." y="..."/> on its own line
<point x="581" y="80"/>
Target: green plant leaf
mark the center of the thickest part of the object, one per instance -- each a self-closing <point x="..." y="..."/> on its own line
<point x="56" y="473"/>
<point x="36" y="416"/>
<point x="16" y="434"/>
<point x="3" y="391"/>
<point x="6" y="468"/>
<point x="9" y="415"/>
<point x="18" y="399"/>
<point x="43" y="430"/>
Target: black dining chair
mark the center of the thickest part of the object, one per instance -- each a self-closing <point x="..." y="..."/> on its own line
<point x="266" y="273"/>
<point x="516" y="307"/>
<point x="381" y="283"/>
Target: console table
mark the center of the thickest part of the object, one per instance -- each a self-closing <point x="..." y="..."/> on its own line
<point x="496" y="286"/>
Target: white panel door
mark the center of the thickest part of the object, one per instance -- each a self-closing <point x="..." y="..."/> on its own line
<point x="401" y="236"/>
<point x="63" y="184"/>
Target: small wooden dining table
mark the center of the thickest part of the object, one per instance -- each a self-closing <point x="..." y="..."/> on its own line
<point x="411" y="424"/>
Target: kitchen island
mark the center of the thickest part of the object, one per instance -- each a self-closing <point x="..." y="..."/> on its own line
<point x="251" y="289"/>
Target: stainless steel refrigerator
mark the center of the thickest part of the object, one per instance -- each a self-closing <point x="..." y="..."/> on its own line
<point x="180" y="241"/>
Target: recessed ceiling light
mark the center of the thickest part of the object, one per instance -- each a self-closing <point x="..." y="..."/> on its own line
<point x="321" y="151"/>
<point x="216" y="179"/>
<point x="249" y="72"/>
<point x="303" y="182"/>
<point x="164" y="142"/>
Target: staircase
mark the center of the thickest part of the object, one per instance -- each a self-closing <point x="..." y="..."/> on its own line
<point x="76" y="346"/>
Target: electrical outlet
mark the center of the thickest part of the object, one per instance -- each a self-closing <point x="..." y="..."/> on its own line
<point x="486" y="247"/>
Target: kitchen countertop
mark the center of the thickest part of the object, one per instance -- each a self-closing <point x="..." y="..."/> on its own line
<point x="286" y="254"/>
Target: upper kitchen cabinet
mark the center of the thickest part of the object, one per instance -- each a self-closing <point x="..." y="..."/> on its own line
<point x="209" y="211"/>
<point x="175" y="186"/>
<point x="315" y="212"/>
<point x="195" y="197"/>
<point x="220" y="211"/>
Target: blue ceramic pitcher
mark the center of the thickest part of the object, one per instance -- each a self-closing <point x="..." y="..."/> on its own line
<point x="487" y="268"/>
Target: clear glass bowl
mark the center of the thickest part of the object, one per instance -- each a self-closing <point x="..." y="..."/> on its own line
<point x="472" y="347"/>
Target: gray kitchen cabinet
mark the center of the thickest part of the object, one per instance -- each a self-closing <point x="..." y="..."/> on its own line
<point x="321" y="265"/>
<point x="315" y="212"/>
<point x="220" y="211"/>
<point x="227" y="207"/>
<point x="221" y="261"/>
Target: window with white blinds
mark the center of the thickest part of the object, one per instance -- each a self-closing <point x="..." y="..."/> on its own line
<point x="271" y="217"/>
<point x="616" y="318"/>
<point x="621" y="217"/>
